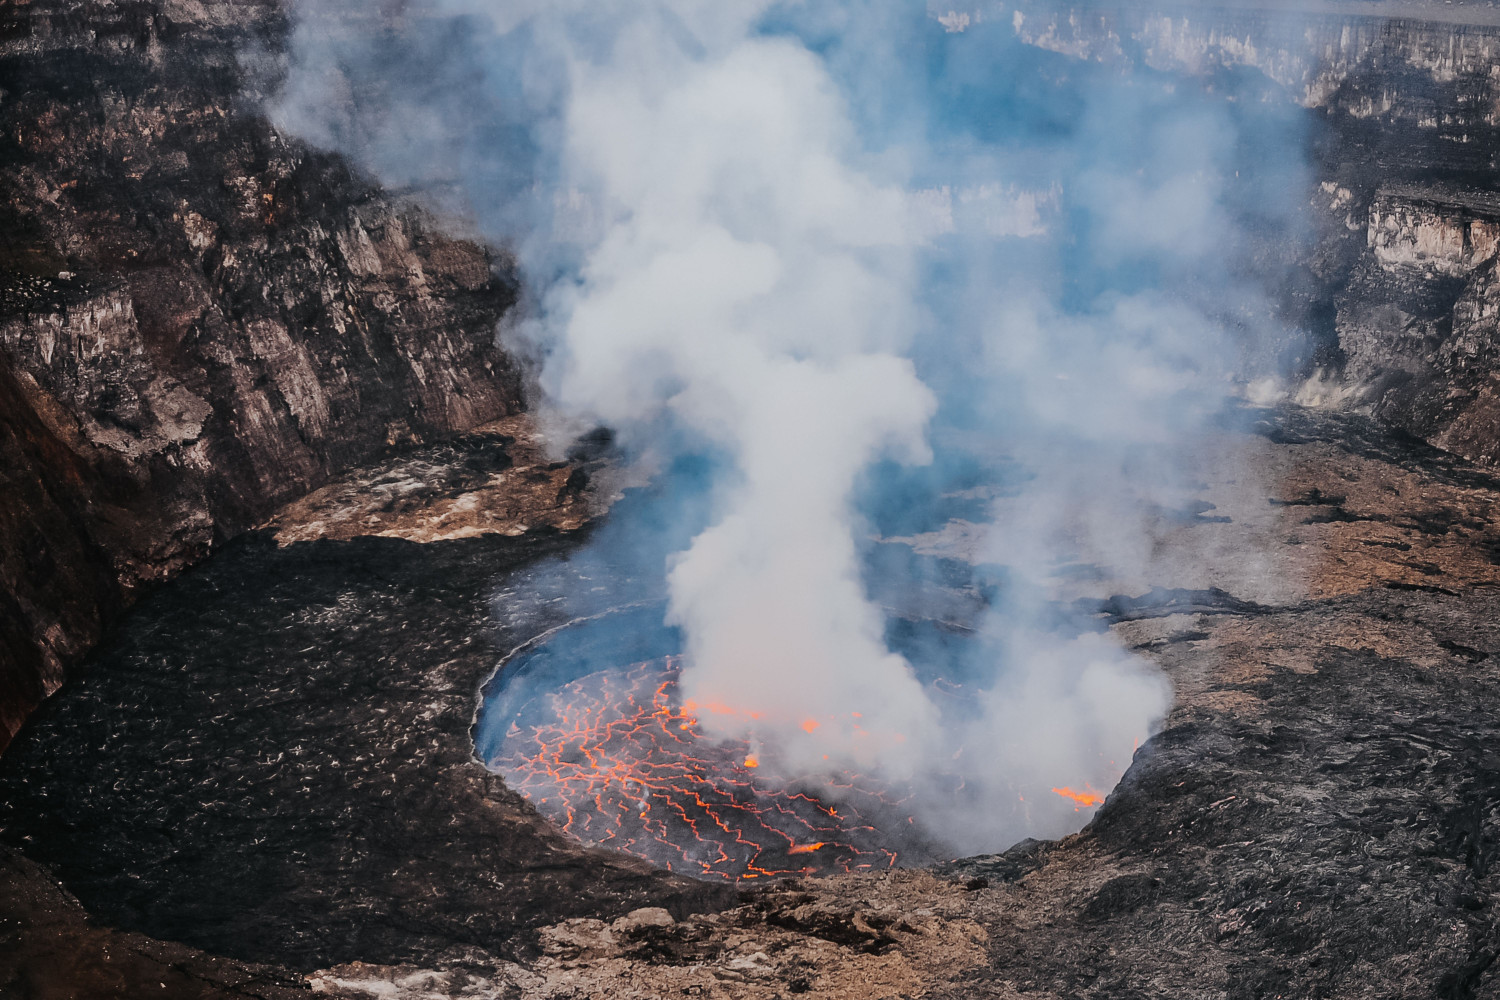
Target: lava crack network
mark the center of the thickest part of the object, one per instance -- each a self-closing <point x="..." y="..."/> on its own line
<point x="616" y="760"/>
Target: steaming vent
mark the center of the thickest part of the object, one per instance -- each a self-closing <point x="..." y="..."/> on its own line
<point x="596" y="734"/>
<point x="825" y="271"/>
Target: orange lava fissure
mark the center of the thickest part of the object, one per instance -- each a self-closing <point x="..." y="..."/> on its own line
<point x="1081" y="800"/>
<point x="619" y="762"/>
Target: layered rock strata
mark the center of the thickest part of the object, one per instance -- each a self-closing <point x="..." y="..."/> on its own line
<point x="1418" y="316"/>
<point x="200" y="319"/>
<point x="1395" y="285"/>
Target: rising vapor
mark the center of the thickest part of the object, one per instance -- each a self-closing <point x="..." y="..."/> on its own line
<point x="799" y="242"/>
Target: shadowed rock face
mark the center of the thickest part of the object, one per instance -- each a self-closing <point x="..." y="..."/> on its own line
<point x="49" y="949"/>
<point x="199" y="319"/>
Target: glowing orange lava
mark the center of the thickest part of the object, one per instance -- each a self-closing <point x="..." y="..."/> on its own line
<point x="1081" y="800"/>
<point x="616" y="761"/>
<point x="806" y="848"/>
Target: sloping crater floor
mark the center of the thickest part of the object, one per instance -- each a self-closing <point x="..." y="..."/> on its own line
<point x="273" y="760"/>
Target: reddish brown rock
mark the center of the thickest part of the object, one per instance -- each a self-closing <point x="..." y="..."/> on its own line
<point x="199" y="318"/>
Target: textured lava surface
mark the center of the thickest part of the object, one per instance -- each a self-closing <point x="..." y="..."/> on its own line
<point x="615" y="758"/>
<point x="273" y="761"/>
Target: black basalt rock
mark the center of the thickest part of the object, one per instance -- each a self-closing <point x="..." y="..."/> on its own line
<point x="272" y="760"/>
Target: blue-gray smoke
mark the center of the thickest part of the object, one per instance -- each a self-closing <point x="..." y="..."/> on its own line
<point x="880" y="301"/>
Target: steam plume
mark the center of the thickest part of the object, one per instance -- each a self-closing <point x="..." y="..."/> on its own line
<point x="786" y="238"/>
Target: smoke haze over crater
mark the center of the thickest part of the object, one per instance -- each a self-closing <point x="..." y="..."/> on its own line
<point x="869" y="268"/>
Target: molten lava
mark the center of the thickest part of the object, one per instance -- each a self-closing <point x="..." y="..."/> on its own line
<point x="1081" y="800"/>
<point x="616" y="760"/>
<point x="806" y="848"/>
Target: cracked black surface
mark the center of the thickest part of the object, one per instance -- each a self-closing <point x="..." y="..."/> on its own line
<point x="272" y="761"/>
<point x="1341" y="843"/>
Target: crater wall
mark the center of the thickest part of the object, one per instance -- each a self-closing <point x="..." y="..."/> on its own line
<point x="200" y="319"/>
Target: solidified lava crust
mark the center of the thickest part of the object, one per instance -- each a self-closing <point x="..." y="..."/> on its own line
<point x="274" y="760"/>
<point x="617" y="759"/>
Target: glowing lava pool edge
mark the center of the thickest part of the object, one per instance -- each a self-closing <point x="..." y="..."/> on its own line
<point x="587" y="723"/>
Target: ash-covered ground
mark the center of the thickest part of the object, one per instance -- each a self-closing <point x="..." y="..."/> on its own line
<point x="273" y="762"/>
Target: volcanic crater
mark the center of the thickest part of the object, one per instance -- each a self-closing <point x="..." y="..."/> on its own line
<point x="274" y="761"/>
<point x="334" y="678"/>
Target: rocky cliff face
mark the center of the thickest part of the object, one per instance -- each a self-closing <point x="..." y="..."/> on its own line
<point x="1417" y="315"/>
<point x="199" y="318"/>
<point x="1398" y="286"/>
<point x="1430" y="75"/>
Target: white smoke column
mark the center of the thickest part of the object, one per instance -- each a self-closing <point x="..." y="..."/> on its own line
<point x="758" y="287"/>
<point x="713" y="255"/>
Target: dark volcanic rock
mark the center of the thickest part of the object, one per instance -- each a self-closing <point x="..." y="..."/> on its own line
<point x="49" y="948"/>
<point x="199" y="319"/>
<point x="1333" y="834"/>
<point x="273" y="761"/>
<point x="1395" y="285"/>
